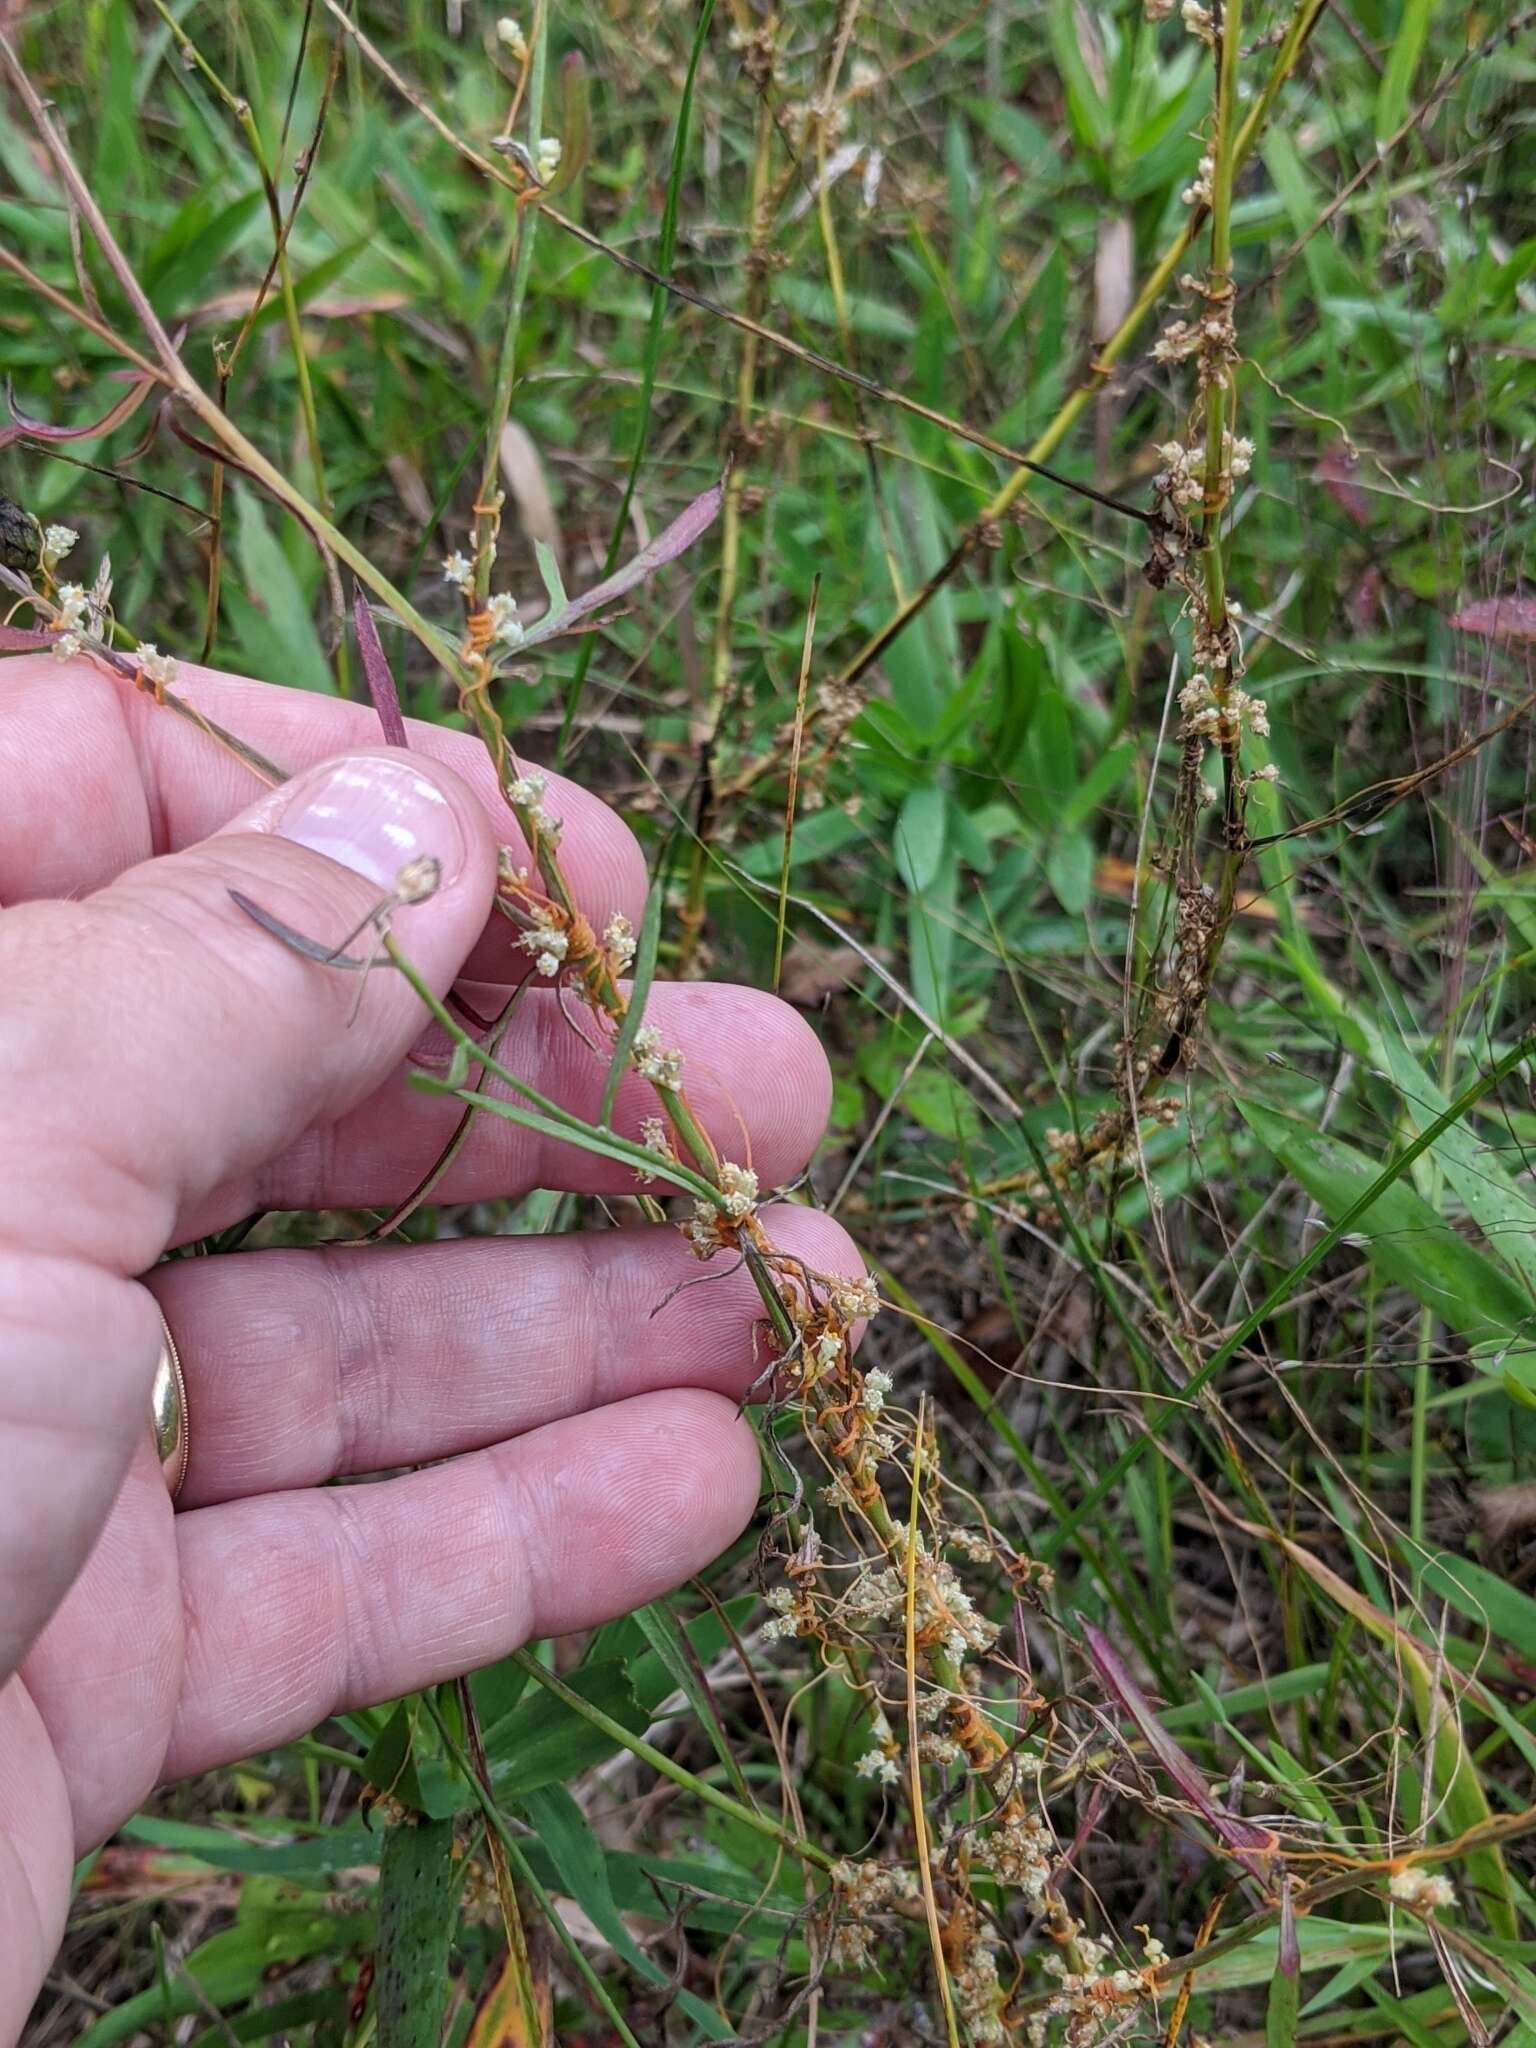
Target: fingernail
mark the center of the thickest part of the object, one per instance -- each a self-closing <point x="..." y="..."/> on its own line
<point x="371" y="814"/>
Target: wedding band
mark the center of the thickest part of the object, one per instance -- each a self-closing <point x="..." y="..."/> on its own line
<point x="168" y="1404"/>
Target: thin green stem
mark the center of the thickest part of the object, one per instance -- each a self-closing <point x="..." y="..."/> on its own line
<point x="748" y="1816"/>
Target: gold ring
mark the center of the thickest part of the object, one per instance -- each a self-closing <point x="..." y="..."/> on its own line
<point x="168" y="1405"/>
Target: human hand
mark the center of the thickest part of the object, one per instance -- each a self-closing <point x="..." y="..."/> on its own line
<point x="169" y="1068"/>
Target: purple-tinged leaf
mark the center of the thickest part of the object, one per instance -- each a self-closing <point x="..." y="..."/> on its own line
<point x="1251" y="1845"/>
<point x="675" y="540"/>
<point x="24" y="428"/>
<point x="1499" y="618"/>
<point x="381" y="680"/>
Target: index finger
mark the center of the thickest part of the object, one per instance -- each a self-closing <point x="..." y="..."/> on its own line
<point x="99" y="777"/>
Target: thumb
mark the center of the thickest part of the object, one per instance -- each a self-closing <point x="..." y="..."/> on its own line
<point x="158" y="1045"/>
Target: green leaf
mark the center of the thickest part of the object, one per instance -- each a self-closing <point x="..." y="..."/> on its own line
<point x="1069" y="870"/>
<point x="233" y="1965"/>
<point x="1502" y="1210"/>
<point x="1404" y="1237"/>
<point x="1402" y="63"/>
<point x="419" y="1881"/>
<point x="389" y="1766"/>
<point x="544" y="1742"/>
<point x="920" y="835"/>
<point x="554" y="582"/>
<point x="580" y="1867"/>
<point x="665" y="1635"/>
<point x="276" y="628"/>
<point x="1485" y="1599"/>
<point x="1091" y="119"/>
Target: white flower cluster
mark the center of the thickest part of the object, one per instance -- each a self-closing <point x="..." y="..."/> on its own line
<point x="978" y="1993"/>
<point x="157" y="669"/>
<point x="1019" y="1851"/>
<point x="654" y="1062"/>
<point x="506" y="626"/>
<point x="57" y="542"/>
<point x="549" y="941"/>
<point x="1202" y="713"/>
<point x="739" y="1186"/>
<point x="619" y="938"/>
<point x="786" y="1621"/>
<point x="509" y="33"/>
<point x="655" y="1137"/>
<point x="1198" y="191"/>
<point x="1199" y="21"/>
<point x="1177" y="342"/>
<point x="876" y="1764"/>
<point x="527" y="793"/>
<point x="1182" y="475"/>
<point x="825" y="1355"/>
<point x="1423" y="1889"/>
<point x="855" y="1301"/>
<point x="73" y="605"/>
<point x="877" y="1385"/>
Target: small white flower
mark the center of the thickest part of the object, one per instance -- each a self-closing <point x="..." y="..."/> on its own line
<point x="73" y="603"/>
<point x="506" y="626"/>
<point x="1422" y="1888"/>
<point x="549" y="941"/>
<point x="877" y="1385"/>
<point x="1268" y="773"/>
<point x="874" y="1763"/>
<point x="619" y="938"/>
<point x="1242" y="457"/>
<point x="856" y="1300"/>
<point x="547" y="158"/>
<point x="655" y="1137"/>
<point x="458" y="570"/>
<point x="155" y="668"/>
<point x="1198" y="21"/>
<point x="827" y="1352"/>
<point x="509" y="33"/>
<point x="66" y="647"/>
<point x="527" y="791"/>
<point x="656" y="1063"/>
<point x="57" y="542"/>
<point x="739" y="1186"/>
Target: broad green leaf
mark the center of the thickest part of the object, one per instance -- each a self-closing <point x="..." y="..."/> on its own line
<point x="317" y="1856"/>
<point x="276" y="628"/>
<point x="580" y="1866"/>
<point x="554" y="582"/>
<point x="544" y="1742"/>
<point x="1069" y="870"/>
<point x="1404" y="1237"/>
<point x="233" y="1965"/>
<point x="419" y="1882"/>
<point x="1485" y="1599"/>
<point x="665" y="1635"/>
<point x="1502" y="1210"/>
<point x="1324" y="1945"/>
<point x="920" y="836"/>
<point x="1403" y="55"/>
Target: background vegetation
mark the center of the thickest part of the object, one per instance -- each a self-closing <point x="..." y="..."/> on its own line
<point x="1244" y="1380"/>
